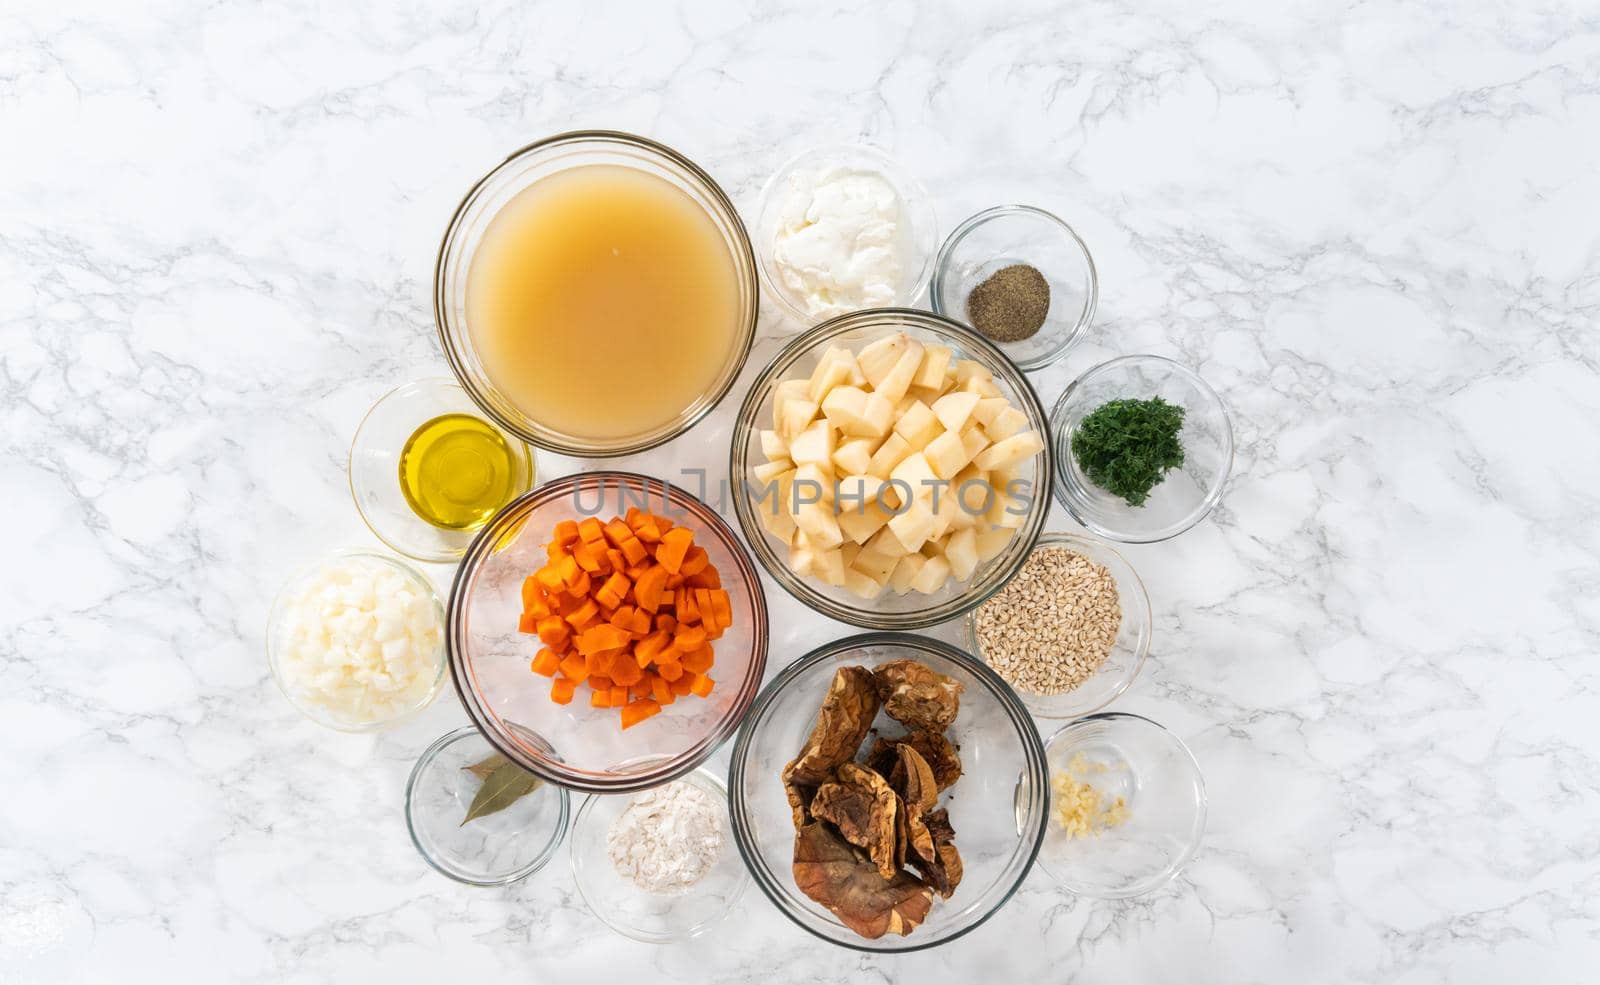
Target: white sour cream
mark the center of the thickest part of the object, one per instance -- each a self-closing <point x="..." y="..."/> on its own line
<point x="838" y="243"/>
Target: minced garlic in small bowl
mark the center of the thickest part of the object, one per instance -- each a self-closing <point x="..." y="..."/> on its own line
<point x="356" y="641"/>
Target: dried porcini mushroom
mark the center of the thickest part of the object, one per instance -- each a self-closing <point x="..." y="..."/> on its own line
<point x="912" y="779"/>
<point x="862" y="806"/>
<point x="918" y="696"/>
<point x="799" y="796"/>
<point x="842" y="722"/>
<point x="936" y="750"/>
<point x="839" y="877"/>
<point x="941" y="867"/>
<point x="938" y="823"/>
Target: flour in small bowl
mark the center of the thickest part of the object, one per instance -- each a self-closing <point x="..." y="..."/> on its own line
<point x="667" y="839"/>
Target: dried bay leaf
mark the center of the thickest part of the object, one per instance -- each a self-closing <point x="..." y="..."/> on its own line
<point x="506" y="785"/>
<point x="483" y="767"/>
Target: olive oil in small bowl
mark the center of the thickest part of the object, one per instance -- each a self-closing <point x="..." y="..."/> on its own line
<point x="427" y="470"/>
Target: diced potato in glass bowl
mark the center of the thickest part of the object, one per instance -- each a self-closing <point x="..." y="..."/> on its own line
<point x="890" y="468"/>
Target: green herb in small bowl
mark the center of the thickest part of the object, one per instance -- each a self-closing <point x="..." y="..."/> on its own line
<point x="1126" y="447"/>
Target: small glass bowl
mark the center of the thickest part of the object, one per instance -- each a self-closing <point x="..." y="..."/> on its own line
<point x="918" y="227"/>
<point x="539" y="160"/>
<point x="575" y="745"/>
<point x="634" y="912"/>
<point x="1012" y="234"/>
<point x="1128" y="652"/>
<point x="1131" y="757"/>
<point x="998" y="807"/>
<point x="1187" y="493"/>
<point x="276" y="630"/>
<point x="888" y="611"/>
<point x="491" y="850"/>
<point x="375" y="468"/>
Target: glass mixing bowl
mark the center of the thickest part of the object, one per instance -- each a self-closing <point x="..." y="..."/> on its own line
<point x="1187" y="493"/>
<point x="1154" y="773"/>
<point x="1128" y="652"/>
<point x="492" y="850"/>
<point x="917" y="228"/>
<point x="635" y="912"/>
<point x="576" y="745"/>
<point x="998" y="807"/>
<point x="889" y="611"/>
<point x="1011" y="234"/>
<point x="483" y="202"/>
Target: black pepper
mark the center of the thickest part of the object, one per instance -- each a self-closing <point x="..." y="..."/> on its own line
<point x="1011" y="303"/>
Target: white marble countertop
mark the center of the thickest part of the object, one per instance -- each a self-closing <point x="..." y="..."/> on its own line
<point x="1370" y="226"/>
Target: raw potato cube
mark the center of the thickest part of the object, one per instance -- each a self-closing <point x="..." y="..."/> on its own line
<point x="906" y="572"/>
<point x="967" y="369"/>
<point x="917" y="474"/>
<point x="892" y="452"/>
<point x="854" y="456"/>
<point x="774" y="446"/>
<point x="789" y="390"/>
<point x="987" y="408"/>
<point x="935" y="360"/>
<point x="992" y="542"/>
<point x="953" y="409"/>
<point x="775" y="509"/>
<point x="923" y="394"/>
<point x="913" y="527"/>
<point x="802" y="556"/>
<point x="856" y="490"/>
<point x="886" y="543"/>
<point x="972" y="491"/>
<point x="932" y="576"/>
<point x="878" y="360"/>
<point x="769" y="471"/>
<point x="961" y="551"/>
<point x="848" y="552"/>
<point x="859" y="525"/>
<point x="946" y="455"/>
<point x="813" y="446"/>
<point x="1001" y="515"/>
<point x="860" y="584"/>
<point x="917" y="425"/>
<point x="857" y="412"/>
<point x="1008" y="452"/>
<point x="817" y="522"/>
<point x="894" y="384"/>
<point x="794" y="415"/>
<point x="836" y="368"/>
<point x="974" y="441"/>
<point x="946" y="514"/>
<point x="829" y="566"/>
<point x="1006" y="423"/>
<point x="814" y="480"/>
<point x="981" y="386"/>
<point x="876" y="566"/>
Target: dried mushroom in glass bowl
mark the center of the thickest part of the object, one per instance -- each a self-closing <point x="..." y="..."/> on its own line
<point x="848" y="790"/>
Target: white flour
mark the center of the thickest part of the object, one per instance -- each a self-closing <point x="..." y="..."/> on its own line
<point x="667" y="839"/>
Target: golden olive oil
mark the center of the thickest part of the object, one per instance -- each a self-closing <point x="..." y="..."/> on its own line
<point x="457" y="470"/>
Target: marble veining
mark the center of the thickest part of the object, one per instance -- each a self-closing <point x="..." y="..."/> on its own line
<point x="1370" y="226"/>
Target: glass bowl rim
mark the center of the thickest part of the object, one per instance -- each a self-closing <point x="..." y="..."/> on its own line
<point x="1067" y="538"/>
<point x="1206" y="505"/>
<point x="1201" y="808"/>
<point x="516" y="512"/>
<point x="441" y="557"/>
<point x="971" y="223"/>
<point x="699" y="773"/>
<point x="563" y="819"/>
<point x="298" y="576"/>
<point x="906" y="183"/>
<point x="745" y="339"/>
<point x="755" y="533"/>
<point x="1033" y="749"/>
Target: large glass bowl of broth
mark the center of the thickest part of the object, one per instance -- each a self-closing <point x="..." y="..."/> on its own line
<point x="596" y="293"/>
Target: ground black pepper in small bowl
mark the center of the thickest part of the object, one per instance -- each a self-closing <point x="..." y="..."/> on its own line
<point x="1010" y="304"/>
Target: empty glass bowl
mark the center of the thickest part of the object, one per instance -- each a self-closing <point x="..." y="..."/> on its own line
<point x="1164" y="799"/>
<point x="798" y="359"/>
<point x="1020" y="234"/>
<point x="490" y="850"/>
<point x="541" y="159"/>
<point x="576" y="745"/>
<point x="375" y="468"/>
<point x="281" y="629"/>
<point x="1186" y="494"/>
<point x="998" y="807"/>
<point x="917" y="229"/>
<point x="638" y="913"/>
<point x="1128" y="652"/>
